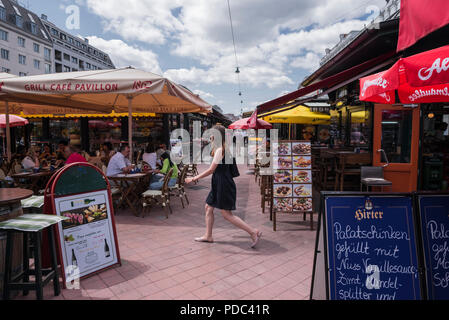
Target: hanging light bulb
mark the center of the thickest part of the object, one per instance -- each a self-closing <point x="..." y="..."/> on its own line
<point x="237" y="70"/>
<point x="240" y="94"/>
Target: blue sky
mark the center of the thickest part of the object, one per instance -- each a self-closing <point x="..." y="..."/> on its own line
<point x="189" y="41"/>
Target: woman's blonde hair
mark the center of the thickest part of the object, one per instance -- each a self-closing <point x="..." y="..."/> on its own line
<point x="217" y="144"/>
<point x="31" y="152"/>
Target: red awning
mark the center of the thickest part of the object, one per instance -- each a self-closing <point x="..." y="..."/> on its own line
<point x="421" y="78"/>
<point x="419" y="18"/>
<point x="332" y="81"/>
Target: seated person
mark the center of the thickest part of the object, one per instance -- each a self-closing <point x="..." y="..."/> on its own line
<point x="73" y="154"/>
<point x="162" y="149"/>
<point x="48" y="154"/>
<point x="119" y="163"/>
<point x="60" y="154"/>
<point x="31" y="160"/>
<point x="107" y="152"/>
<point x="150" y="156"/>
<point x="157" y="180"/>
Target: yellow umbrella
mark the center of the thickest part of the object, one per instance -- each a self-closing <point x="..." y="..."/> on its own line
<point x="299" y="115"/>
<point x="359" y="117"/>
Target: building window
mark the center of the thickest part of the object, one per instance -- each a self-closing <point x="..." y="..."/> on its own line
<point x="2" y="13"/>
<point x="47" y="54"/>
<point x="71" y="40"/>
<point x="6" y="70"/>
<point x="62" y="36"/>
<point x="54" y="32"/>
<point x="22" y="74"/>
<point x="22" y="59"/>
<point x="5" y="54"/>
<point x="66" y="57"/>
<point x="36" y="47"/>
<point x="88" y="65"/>
<point x="58" y="55"/>
<point x="33" y="28"/>
<point x="66" y="69"/>
<point x="21" y="42"/>
<point x="19" y="21"/>
<point x="74" y="60"/>
<point x="3" y="35"/>
<point x="47" y="68"/>
<point x="37" y="64"/>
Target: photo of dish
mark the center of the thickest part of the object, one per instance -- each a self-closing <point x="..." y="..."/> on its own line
<point x="282" y="148"/>
<point x="302" y="190"/>
<point x="283" y="176"/>
<point x="283" y="163"/>
<point x="302" y="204"/>
<point x="300" y="148"/>
<point x="324" y="135"/>
<point x="302" y="176"/>
<point x="84" y="215"/>
<point x="302" y="162"/>
<point x="282" y="190"/>
<point x="283" y="205"/>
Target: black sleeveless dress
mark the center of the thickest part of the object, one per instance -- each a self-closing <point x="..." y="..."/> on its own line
<point x="223" y="190"/>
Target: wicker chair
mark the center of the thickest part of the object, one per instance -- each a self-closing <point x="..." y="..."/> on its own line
<point x="178" y="189"/>
<point x="151" y="197"/>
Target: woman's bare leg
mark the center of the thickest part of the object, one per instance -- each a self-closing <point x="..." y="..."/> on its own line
<point x="209" y="217"/>
<point x="239" y="223"/>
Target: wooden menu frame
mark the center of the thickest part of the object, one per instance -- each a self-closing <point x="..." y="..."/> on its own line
<point x="295" y="188"/>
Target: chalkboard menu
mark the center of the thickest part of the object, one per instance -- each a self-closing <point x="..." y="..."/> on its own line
<point x="292" y="181"/>
<point x="371" y="249"/>
<point x="434" y="215"/>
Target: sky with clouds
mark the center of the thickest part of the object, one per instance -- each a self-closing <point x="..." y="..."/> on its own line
<point x="278" y="43"/>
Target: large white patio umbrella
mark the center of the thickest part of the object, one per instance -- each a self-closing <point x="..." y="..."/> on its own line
<point x="104" y="91"/>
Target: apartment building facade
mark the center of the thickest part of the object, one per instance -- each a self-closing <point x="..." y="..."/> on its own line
<point x="32" y="45"/>
<point x="25" y="45"/>
<point x="72" y="53"/>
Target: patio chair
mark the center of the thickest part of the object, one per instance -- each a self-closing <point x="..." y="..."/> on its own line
<point x="178" y="188"/>
<point x="192" y="171"/>
<point x="162" y="196"/>
<point x="266" y="191"/>
<point x="373" y="177"/>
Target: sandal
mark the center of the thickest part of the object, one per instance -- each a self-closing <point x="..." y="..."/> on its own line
<point x="259" y="234"/>
<point x="203" y="240"/>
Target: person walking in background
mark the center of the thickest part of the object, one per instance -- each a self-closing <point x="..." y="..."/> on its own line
<point x="158" y="180"/>
<point x="223" y="190"/>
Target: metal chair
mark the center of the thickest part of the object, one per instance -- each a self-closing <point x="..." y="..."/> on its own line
<point x="373" y="177"/>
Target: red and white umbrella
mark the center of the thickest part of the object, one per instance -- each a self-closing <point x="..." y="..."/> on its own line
<point x="421" y="78"/>
<point x="251" y="123"/>
<point x="14" y="121"/>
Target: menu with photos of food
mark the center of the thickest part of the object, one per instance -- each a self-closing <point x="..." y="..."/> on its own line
<point x="292" y="180"/>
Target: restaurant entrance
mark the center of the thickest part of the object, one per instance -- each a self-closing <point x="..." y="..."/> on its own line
<point x="396" y="145"/>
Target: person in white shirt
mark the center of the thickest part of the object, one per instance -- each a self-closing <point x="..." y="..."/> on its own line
<point x="31" y="160"/>
<point x="119" y="163"/>
<point x="150" y="156"/>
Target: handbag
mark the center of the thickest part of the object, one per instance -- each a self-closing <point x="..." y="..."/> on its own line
<point x="234" y="169"/>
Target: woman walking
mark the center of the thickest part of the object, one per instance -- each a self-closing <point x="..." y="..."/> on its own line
<point x="223" y="191"/>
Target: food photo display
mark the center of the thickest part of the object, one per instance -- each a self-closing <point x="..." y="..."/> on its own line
<point x="292" y="177"/>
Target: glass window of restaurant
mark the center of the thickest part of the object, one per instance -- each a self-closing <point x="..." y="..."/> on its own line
<point x="434" y="173"/>
<point x="103" y="130"/>
<point x="65" y="129"/>
<point x="147" y="130"/>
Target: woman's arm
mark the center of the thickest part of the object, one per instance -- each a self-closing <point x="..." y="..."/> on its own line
<point x="217" y="159"/>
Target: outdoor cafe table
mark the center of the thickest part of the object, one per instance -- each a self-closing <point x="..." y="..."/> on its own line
<point x="130" y="186"/>
<point x="35" y="179"/>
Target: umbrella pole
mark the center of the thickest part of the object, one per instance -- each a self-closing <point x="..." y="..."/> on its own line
<point x="130" y="128"/>
<point x="8" y="133"/>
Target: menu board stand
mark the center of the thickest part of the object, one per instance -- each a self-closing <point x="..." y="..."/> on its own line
<point x="87" y="241"/>
<point x="292" y="179"/>
<point x="367" y="248"/>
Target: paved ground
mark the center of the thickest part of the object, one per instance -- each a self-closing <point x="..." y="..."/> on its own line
<point x="160" y="260"/>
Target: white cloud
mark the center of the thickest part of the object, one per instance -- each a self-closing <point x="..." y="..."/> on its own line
<point x="204" y="95"/>
<point x="124" y="55"/>
<point x="275" y="39"/>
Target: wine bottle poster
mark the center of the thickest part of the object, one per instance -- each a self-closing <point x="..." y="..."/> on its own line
<point x="86" y="237"/>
